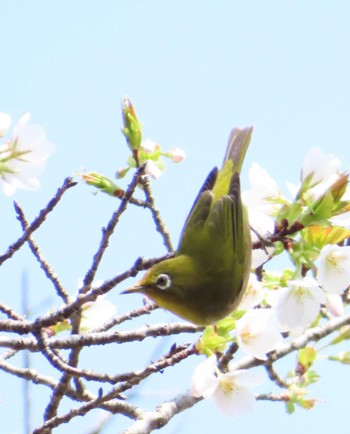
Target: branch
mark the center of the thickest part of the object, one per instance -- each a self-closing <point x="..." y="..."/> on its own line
<point x="61" y="314"/>
<point x="50" y="274"/>
<point x="310" y="335"/>
<point x="135" y="313"/>
<point x="10" y="313"/>
<point x="160" y="225"/>
<point x="149" y="421"/>
<point x="108" y="231"/>
<point x="86" y="340"/>
<point x="138" y="377"/>
<point x="38" y="221"/>
<point x="282" y="233"/>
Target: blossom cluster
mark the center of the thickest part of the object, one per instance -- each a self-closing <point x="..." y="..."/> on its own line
<point x="281" y="305"/>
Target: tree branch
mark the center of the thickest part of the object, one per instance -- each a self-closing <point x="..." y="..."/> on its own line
<point x="38" y="221"/>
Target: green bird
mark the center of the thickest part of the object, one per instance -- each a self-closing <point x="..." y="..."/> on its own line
<point x="207" y="277"/>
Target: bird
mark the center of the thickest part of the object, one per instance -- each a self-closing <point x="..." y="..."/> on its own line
<point x="207" y="277"/>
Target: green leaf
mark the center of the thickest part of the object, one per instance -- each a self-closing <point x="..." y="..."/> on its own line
<point x="307" y="404"/>
<point x="338" y="188"/>
<point x="226" y="325"/>
<point x="297" y="396"/>
<point x="323" y="207"/>
<point x="344" y="334"/>
<point x="318" y="236"/>
<point x="310" y="377"/>
<point x="290" y="407"/>
<point x="290" y="212"/>
<point x="306" y="357"/>
<point x="210" y="342"/>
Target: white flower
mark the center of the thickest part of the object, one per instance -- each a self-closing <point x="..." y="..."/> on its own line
<point x="319" y="172"/>
<point x="205" y="378"/>
<point x="298" y="304"/>
<point x="230" y="391"/>
<point x="333" y="271"/>
<point x="253" y="295"/>
<point x="319" y="166"/>
<point x="263" y="201"/>
<point x="258" y="333"/>
<point x="96" y="313"/>
<point x="152" y="169"/>
<point x="23" y="158"/>
<point x="264" y="194"/>
<point x="149" y="146"/>
<point x="5" y="122"/>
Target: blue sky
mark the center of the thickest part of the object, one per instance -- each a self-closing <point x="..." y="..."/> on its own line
<point x="194" y="69"/>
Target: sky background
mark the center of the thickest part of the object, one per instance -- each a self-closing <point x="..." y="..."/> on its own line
<point x="194" y="70"/>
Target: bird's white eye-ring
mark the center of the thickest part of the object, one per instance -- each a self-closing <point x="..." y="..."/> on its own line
<point x="163" y="281"/>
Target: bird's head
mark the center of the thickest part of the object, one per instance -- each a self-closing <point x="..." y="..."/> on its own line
<point x="170" y="284"/>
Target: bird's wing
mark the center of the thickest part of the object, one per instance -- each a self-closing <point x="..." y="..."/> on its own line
<point x="192" y="230"/>
<point x="215" y="230"/>
<point x="225" y="232"/>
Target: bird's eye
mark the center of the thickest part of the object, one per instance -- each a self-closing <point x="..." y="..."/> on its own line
<point x="163" y="281"/>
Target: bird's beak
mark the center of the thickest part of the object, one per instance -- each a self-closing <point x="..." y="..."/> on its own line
<point x="133" y="289"/>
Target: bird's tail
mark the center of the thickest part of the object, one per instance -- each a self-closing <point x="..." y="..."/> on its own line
<point x="237" y="146"/>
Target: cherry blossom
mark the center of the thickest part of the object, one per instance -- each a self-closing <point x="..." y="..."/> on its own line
<point x="230" y="391"/>
<point x="253" y="295"/>
<point x="23" y="157"/>
<point x="333" y="271"/>
<point x="298" y="304"/>
<point x="319" y="166"/>
<point x="153" y="169"/>
<point x="258" y="333"/>
<point x="95" y="314"/>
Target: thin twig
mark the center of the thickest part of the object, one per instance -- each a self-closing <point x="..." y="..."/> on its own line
<point x="36" y="378"/>
<point x="160" y="225"/>
<point x="10" y="313"/>
<point x="38" y="221"/>
<point x="272" y="397"/>
<point x="227" y="357"/>
<point x="64" y="312"/>
<point x="135" y="313"/>
<point x="148" y="421"/>
<point x="90" y="339"/>
<point x="273" y="375"/>
<point x="109" y="229"/>
<point x="70" y="368"/>
<point x="155" y="367"/>
<point x="50" y="274"/>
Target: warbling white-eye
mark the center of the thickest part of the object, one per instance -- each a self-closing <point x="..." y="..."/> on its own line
<point x="205" y="280"/>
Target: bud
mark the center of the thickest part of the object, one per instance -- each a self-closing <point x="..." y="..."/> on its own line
<point x="132" y="129"/>
<point x="149" y="146"/>
<point x="121" y="173"/>
<point x="343" y="357"/>
<point x="103" y="183"/>
<point x="176" y="155"/>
